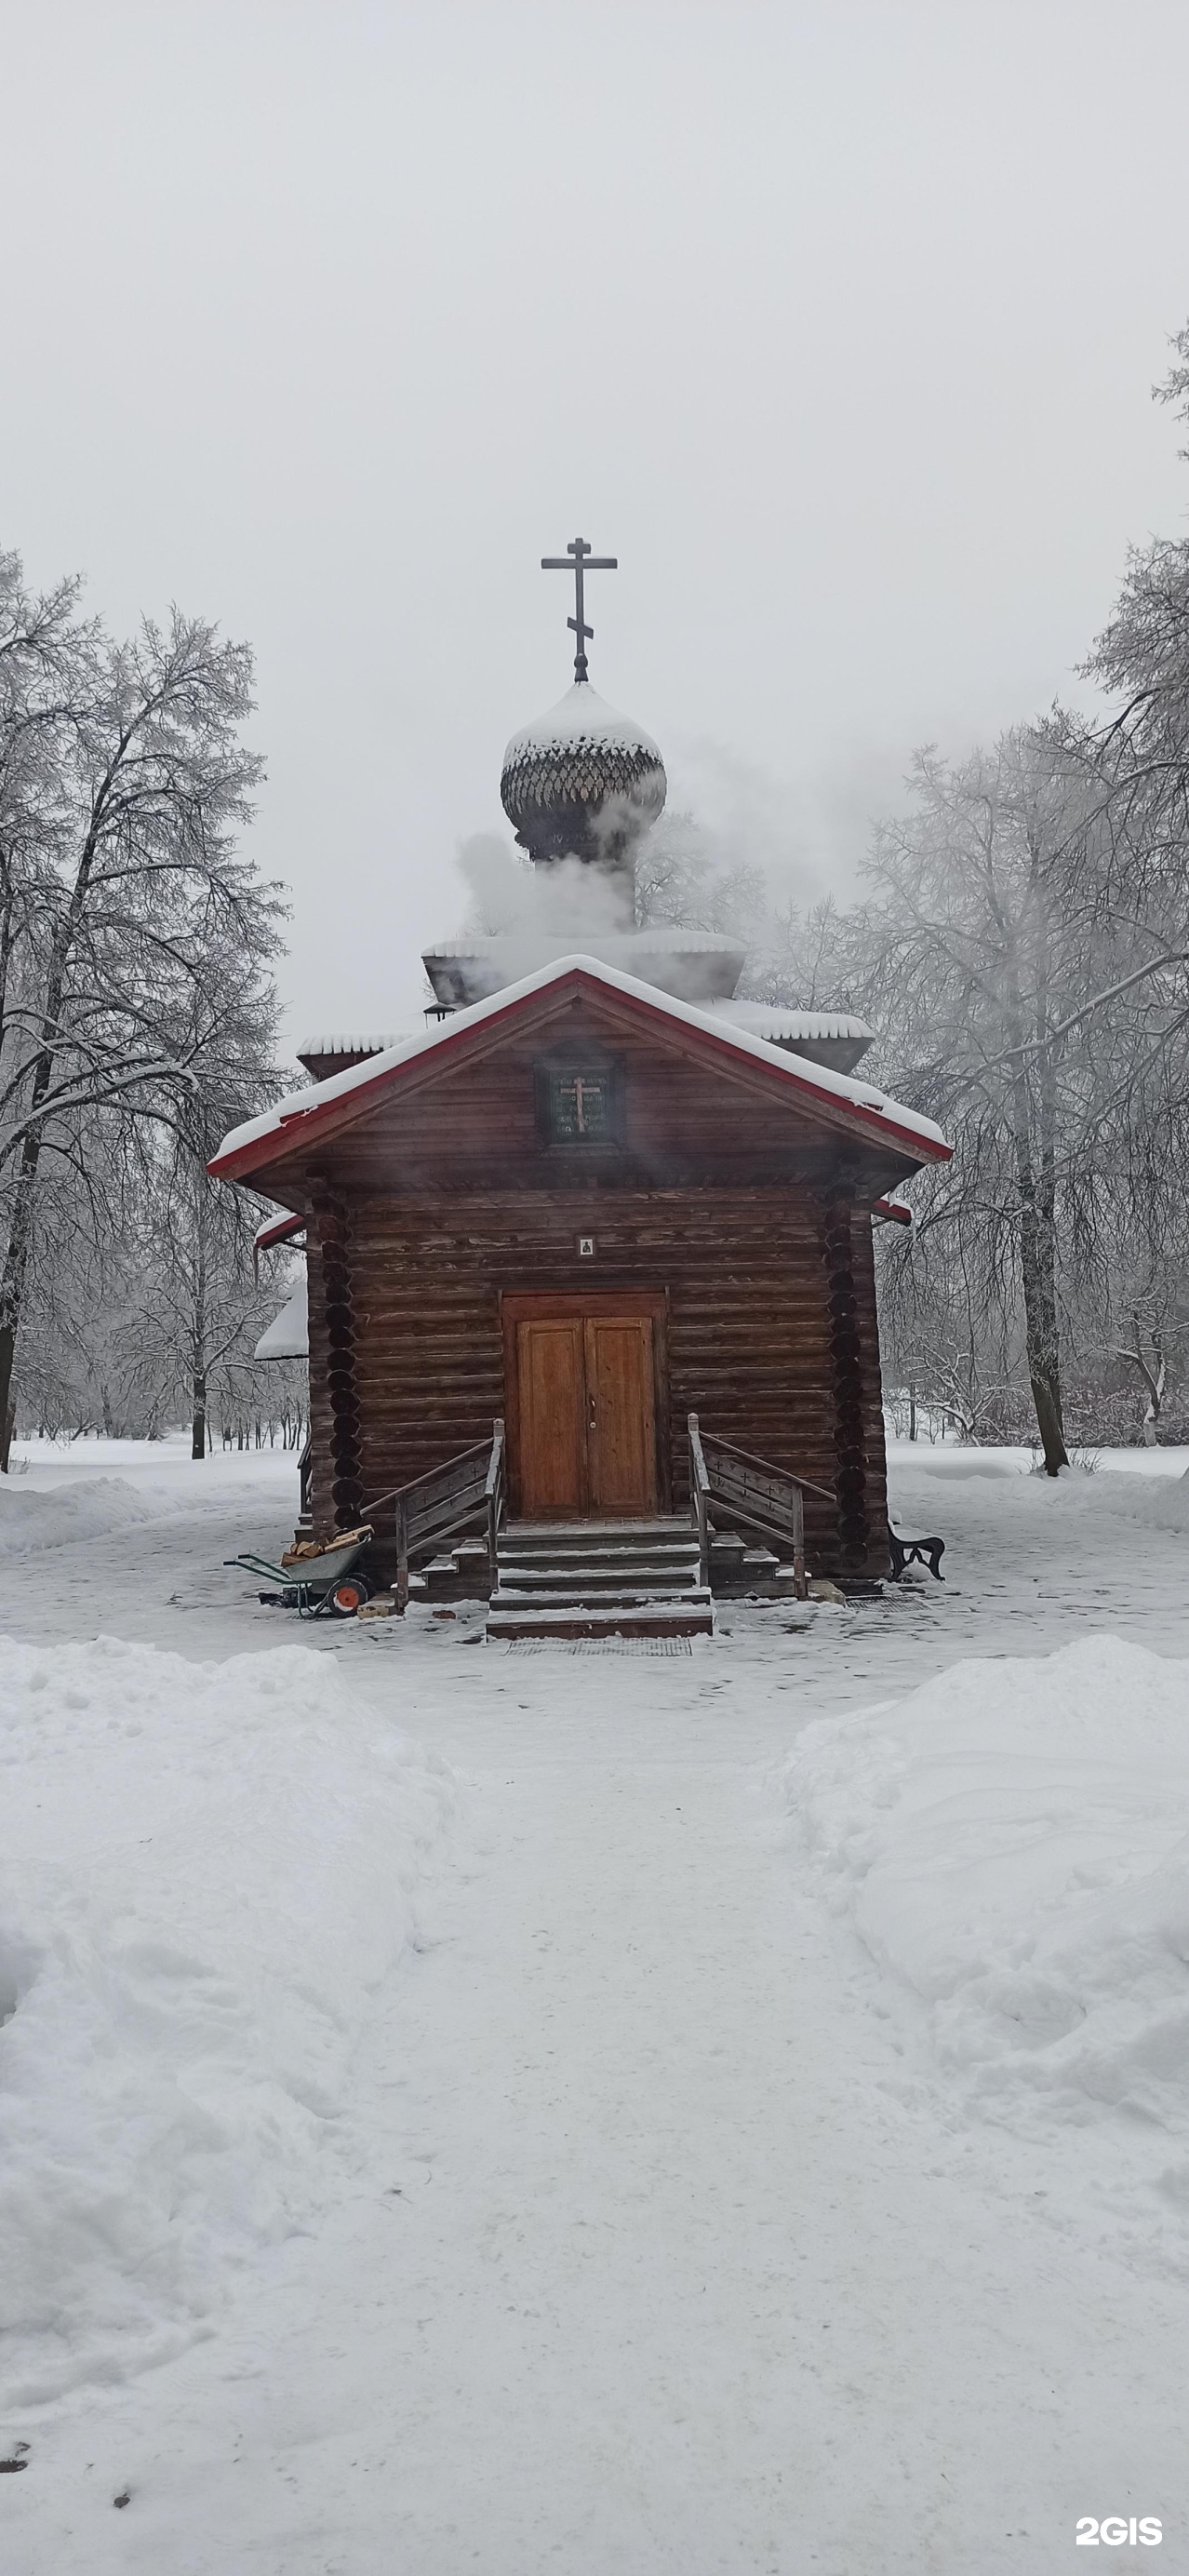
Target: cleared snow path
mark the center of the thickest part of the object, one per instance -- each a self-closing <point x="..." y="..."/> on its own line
<point x="640" y="2261"/>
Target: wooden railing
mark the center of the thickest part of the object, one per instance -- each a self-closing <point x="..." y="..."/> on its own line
<point x="766" y="1499"/>
<point x="463" y="1490"/>
<point x="495" y="1495"/>
<point x="699" y="1494"/>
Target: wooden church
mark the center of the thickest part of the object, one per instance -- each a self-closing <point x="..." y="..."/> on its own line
<point x="591" y="1293"/>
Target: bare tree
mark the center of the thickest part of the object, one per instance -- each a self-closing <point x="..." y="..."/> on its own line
<point x="687" y="878"/>
<point x="1141" y="755"/>
<point x="201" y="1308"/>
<point x="123" y="783"/>
<point x="1038" y="1005"/>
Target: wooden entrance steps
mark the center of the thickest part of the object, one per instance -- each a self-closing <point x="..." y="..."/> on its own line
<point x="599" y="1579"/>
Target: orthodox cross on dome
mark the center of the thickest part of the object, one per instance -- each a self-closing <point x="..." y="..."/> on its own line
<point x="579" y="560"/>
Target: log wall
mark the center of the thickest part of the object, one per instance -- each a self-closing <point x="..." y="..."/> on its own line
<point x="772" y="1335"/>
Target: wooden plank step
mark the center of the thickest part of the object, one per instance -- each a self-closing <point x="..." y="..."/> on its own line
<point x="593" y="1595"/>
<point x="597" y="1534"/>
<point x="602" y="1578"/>
<point x="665" y="1526"/>
<point x="613" y="1561"/>
<point x="546" y="1551"/>
<point x="650" y="1619"/>
<point x="612" y="1569"/>
<point x="668" y="1560"/>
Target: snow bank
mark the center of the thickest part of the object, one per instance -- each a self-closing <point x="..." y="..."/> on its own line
<point x="1162" y="1501"/>
<point x="210" y="1868"/>
<point x="91" y="1509"/>
<point x="1011" y="1844"/>
<point x="949" y="1458"/>
<point x="923" y="1459"/>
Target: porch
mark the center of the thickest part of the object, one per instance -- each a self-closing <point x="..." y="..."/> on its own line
<point x="638" y="1574"/>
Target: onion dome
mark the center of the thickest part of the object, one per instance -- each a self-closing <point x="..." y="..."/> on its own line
<point x="582" y="781"/>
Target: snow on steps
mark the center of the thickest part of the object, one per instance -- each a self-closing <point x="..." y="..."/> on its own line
<point x="599" y="1579"/>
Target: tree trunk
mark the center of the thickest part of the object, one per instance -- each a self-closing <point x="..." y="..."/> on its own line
<point x="199" y="1354"/>
<point x="1038" y="1265"/>
<point x="1154" y="1382"/>
<point x="7" y="1342"/>
<point x="1037" y="1268"/>
<point x="12" y="1285"/>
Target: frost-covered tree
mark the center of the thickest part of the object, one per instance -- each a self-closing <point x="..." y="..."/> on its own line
<point x="688" y="880"/>
<point x="125" y="902"/>
<point x="1032" y="993"/>
<point x="1141" y="660"/>
<point x="202" y="1308"/>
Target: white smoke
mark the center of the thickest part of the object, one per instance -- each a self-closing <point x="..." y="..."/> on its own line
<point x="567" y="900"/>
<point x="736" y="871"/>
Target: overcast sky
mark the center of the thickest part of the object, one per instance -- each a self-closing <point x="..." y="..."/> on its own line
<point x="836" y="320"/>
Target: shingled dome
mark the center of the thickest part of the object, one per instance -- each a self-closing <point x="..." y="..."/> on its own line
<point x="582" y="780"/>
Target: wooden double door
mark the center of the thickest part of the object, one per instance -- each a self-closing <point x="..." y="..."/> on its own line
<point x="583" y="1383"/>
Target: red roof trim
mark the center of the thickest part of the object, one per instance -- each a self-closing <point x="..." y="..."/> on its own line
<point x="279" y="1232"/>
<point x="342" y="1111"/>
<point x="298" y="1126"/>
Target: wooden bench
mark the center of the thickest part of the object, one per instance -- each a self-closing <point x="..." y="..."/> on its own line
<point x="916" y="1551"/>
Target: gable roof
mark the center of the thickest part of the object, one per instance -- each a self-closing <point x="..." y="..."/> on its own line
<point x="324" y="1108"/>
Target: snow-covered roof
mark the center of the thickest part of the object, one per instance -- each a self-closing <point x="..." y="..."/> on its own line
<point x="786" y="1020"/>
<point x="276" y="1229"/>
<point x="286" y="1125"/>
<point x="581" y="716"/>
<point x="655" y="939"/>
<point x="288" y="1335"/>
<point x="351" y="1045"/>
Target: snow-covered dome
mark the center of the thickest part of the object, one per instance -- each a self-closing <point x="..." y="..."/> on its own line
<point x="582" y="780"/>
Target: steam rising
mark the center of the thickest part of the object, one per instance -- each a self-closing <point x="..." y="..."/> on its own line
<point x="740" y="873"/>
<point x="568" y="901"/>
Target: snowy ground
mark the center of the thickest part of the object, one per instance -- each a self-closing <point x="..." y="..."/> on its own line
<point x="723" y="2112"/>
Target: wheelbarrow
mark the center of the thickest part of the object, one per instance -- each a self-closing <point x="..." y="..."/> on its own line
<point x="317" y="1582"/>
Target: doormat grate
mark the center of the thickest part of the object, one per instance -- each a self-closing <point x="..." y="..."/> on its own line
<point x="598" y="1646"/>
